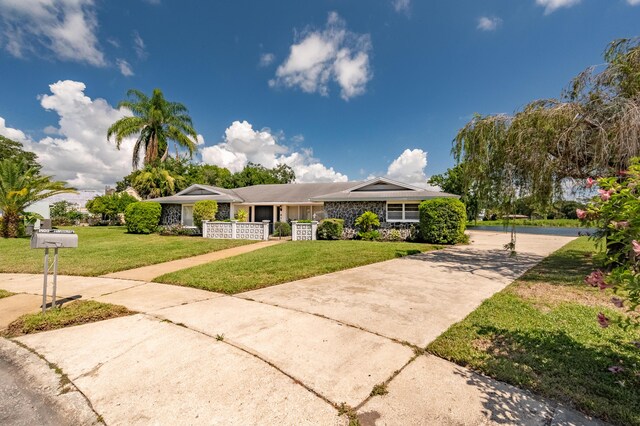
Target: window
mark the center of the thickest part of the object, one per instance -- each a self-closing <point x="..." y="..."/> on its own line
<point x="403" y="212"/>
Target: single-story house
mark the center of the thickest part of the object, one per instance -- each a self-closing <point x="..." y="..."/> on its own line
<point x="395" y="203"/>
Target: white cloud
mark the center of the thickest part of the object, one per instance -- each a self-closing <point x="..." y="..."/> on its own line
<point x="81" y="154"/>
<point x="320" y="57"/>
<point x="409" y="168"/>
<point x="13" y="134"/>
<point x="51" y="130"/>
<point x="633" y="2"/>
<point x="139" y="46"/>
<point x="65" y="28"/>
<point x="242" y="144"/>
<point x="297" y="138"/>
<point x="551" y="6"/>
<point x="266" y="59"/>
<point x="486" y="23"/>
<point x="124" y="67"/>
<point x="402" y="6"/>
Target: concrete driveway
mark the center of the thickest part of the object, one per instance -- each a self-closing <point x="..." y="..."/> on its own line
<point x="290" y="354"/>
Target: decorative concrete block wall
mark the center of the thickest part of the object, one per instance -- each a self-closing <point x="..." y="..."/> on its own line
<point x="236" y="230"/>
<point x="171" y="214"/>
<point x="303" y="231"/>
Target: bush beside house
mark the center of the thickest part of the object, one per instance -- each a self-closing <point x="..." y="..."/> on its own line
<point x="203" y="211"/>
<point x="142" y="218"/>
<point x="330" y="229"/>
<point x="442" y="221"/>
<point x="367" y="225"/>
<point x="281" y="229"/>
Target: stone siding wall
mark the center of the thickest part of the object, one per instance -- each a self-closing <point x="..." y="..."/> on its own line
<point x="171" y="214"/>
<point x="349" y="211"/>
<point x="224" y="211"/>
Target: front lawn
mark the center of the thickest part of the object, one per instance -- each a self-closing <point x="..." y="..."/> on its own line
<point x="287" y="262"/>
<point x="546" y="223"/>
<point x="74" y="313"/>
<point x="541" y="333"/>
<point x="102" y="250"/>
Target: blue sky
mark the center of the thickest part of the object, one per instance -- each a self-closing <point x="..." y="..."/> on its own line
<point x="338" y="88"/>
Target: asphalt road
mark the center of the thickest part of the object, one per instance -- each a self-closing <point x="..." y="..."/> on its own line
<point x="20" y="403"/>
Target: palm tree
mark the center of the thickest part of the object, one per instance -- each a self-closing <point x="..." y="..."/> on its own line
<point x="21" y="186"/>
<point x="156" y="121"/>
<point x="154" y="182"/>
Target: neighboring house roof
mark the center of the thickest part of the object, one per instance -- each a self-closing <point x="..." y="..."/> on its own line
<point x="294" y="193"/>
<point x="378" y="189"/>
<point x="382" y="189"/>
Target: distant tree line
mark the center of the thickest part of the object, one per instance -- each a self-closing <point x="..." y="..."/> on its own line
<point x="172" y="175"/>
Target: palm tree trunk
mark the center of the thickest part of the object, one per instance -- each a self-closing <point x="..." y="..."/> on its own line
<point x="10" y="224"/>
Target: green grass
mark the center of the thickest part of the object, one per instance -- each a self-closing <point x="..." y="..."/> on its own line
<point x="553" y="223"/>
<point x="287" y="262"/>
<point x="74" y="313"/>
<point x="540" y="333"/>
<point x="5" y="293"/>
<point x="102" y="250"/>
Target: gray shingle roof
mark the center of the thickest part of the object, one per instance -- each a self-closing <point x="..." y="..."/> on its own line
<point x="189" y="199"/>
<point x="299" y="193"/>
<point x="290" y="193"/>
<point x="382" y="195"/>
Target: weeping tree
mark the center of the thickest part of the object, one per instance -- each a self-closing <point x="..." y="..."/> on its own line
<point x="592" y="130"/>
<point x="156" y="122"/>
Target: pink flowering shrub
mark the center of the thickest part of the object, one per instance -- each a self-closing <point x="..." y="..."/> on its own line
<point x="615" y="212"/>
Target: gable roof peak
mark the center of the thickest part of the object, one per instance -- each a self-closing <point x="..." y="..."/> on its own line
<point x="385" y="180"/>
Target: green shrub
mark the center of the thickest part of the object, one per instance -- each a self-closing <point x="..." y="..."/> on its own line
<point x="281" y="229"/>
<point x="203" y="211"/>
<point x="366" y="224"/>
<point x="330" y="229"/>
<point x="142" y="218"/>
<point x="369" y="235"/>
<point x="443" y="220"/>
<point x="242" y="215"/>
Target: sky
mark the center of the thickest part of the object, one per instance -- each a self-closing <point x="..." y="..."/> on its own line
<point x="337" y="89"/>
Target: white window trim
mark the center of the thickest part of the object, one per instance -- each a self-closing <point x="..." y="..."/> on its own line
<point x="403" y="212"/>
<point x="182" y="214"/>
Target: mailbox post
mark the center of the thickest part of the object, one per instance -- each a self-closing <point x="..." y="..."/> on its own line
<point x="55" y="239"/>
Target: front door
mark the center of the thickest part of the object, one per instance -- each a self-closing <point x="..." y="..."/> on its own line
<point x="264" y="213"/>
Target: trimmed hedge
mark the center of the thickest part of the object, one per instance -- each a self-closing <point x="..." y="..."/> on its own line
<point x="204" y="210"/>
<point x="443" y="221"/>
<point x="142" y="218"/>
<point x="330" y="229"/>
<point x="281" y="229"/>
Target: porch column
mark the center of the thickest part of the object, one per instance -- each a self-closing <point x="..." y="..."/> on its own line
<point x="275" y="214"/>
<point x="285" y="213"/>
<point x="252" y="211"/>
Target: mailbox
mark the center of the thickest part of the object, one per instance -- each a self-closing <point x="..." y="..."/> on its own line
<point x="53" y="238"/>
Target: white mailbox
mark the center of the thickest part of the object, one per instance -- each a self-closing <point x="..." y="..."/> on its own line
<point x="54" y="238"/>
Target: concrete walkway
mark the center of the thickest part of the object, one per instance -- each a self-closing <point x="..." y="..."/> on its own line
<point x="290" y="354"/>
<point x="148" y="273"/>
